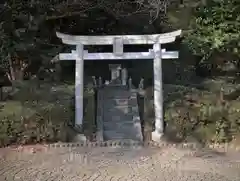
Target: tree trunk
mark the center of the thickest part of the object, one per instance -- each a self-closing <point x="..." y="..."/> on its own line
<point x="16" y="69"/>
<point x="12" y="74"/>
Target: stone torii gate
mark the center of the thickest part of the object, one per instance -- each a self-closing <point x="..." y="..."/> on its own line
<point x="118" y="41"/>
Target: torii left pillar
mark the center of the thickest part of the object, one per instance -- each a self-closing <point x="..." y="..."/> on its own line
<point x="79" y="84"/>
<point x="158" y="93"/>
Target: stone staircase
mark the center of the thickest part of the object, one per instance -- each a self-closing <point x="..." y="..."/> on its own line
<point x="117" y="114"/>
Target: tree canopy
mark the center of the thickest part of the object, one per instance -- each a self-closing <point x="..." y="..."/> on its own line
<point x="215" y="28"/>
<point x="27" y="25"/>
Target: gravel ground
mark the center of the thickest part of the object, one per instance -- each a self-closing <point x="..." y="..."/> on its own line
<point x="118" y="164"/>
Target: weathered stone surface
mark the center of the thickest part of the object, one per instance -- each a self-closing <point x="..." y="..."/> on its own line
<point x="119" y="114"/>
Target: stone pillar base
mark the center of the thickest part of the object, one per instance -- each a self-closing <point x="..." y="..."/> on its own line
<point x="156" y="136"/>
<point x="80" y="138"/>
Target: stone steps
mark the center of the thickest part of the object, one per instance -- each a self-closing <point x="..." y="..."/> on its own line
<point x="120" y="125"/>
<point x="120" y="115"/>
<point x="123" y="134"/>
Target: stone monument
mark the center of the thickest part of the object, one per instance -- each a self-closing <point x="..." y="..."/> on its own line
<point x="115" y="74"/>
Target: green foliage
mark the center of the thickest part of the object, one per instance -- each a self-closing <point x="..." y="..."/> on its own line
<point x="43" y="115"/>
<point x="207" y="120"/>
<point x="36" y="114"/>
<point x="203" y="115"/>
<point x="20" y="34"/>
<point x="215" y="28"/>
<point x="41" y="127"/>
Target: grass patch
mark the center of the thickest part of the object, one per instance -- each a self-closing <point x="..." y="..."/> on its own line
<point x="41" y="114"/>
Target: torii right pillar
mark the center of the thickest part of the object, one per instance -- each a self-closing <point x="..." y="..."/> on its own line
<point x="158" y="93"/>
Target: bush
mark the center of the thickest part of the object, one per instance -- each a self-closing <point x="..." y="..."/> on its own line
<point x="215" y="28"/>
<point x="193" y="113"/>
<point x="36" y="114"/>
<point x="41" y="127"/>
<point x="209" y="120"/>
<point x="44" y="114"/>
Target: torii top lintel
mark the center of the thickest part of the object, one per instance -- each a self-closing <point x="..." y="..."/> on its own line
<point x="126" y="39"/>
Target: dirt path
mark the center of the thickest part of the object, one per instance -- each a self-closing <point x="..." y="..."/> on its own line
<point x="119" y="164"/>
